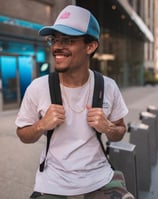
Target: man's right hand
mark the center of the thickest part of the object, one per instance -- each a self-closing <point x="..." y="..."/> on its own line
<point x="54" y="116"/>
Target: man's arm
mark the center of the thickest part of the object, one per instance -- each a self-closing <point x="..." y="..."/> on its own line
<point x="30" y="134"/>
<point x="115" y="130"/>
<point x="54" y="116"/>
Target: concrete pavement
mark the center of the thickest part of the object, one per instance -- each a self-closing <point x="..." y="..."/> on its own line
<point x="18" y="162"/>
<point x="137" y="100"/>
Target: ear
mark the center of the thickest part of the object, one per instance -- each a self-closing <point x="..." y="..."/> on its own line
<point x="91" y="47"/>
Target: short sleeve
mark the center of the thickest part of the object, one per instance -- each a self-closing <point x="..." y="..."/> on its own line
<point x="119" y="109"/>
<point x="28" y="113"/>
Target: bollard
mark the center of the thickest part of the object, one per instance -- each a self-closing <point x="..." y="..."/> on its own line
<point x="150" y="120"/>
<point x="122" y="156"/>
<point x="139" y="136"/>
<point x="154" y="110"/>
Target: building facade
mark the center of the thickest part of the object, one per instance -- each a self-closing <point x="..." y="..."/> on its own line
<point x="147" y="12"/>
<point x="23" y="54"/>
<point x="127" y="39"/>
<point x="126" y="42"/>
<point x="156" y="38"/>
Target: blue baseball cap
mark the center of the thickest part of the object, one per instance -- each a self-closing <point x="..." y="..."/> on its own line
<point x="74" y="21"/>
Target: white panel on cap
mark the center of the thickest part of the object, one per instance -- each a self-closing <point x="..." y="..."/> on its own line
<point x="75" y="18"/>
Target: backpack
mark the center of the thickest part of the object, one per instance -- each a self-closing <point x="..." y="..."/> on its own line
<point x="55" y="94"/>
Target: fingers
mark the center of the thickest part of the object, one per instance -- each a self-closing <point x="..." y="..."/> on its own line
<point x="54" y="116"/>
<point x="56" y="108"/>
<point x="94" y="116"/>
<point x="94" y="113"/>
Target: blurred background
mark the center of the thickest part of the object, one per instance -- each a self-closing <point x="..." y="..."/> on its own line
<point x="128" y="49"/>
<point x="128" y="53"/>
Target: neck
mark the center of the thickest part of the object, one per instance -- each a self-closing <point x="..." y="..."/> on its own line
<point x="74" y="80"/>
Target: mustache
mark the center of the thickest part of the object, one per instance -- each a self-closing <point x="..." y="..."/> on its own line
<point x="61" y="52"/>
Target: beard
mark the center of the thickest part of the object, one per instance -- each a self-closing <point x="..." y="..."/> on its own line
<point x="65" y="53"/>
<point x="61" y="70"/>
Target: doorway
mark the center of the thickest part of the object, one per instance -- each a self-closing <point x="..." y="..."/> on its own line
<point x="16" y="75"/>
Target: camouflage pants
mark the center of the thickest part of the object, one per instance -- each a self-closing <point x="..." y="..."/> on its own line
<point x="115" y="189"/>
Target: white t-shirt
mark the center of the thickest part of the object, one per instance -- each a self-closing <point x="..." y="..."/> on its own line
<point x="75" y="162"/>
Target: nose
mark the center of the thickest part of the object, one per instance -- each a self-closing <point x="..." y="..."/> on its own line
<point x="57" y="45"/>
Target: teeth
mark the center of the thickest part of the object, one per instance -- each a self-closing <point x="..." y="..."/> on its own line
<point x="60" y="56"/>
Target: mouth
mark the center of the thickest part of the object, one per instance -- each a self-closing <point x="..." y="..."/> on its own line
<point x="60" y="56"/>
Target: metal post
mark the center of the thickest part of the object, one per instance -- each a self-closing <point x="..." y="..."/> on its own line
<point x="154" y="110"/>
<point x="139" y="136"/>
<point x="150" y="120"/>
<point x="123" y="157"/>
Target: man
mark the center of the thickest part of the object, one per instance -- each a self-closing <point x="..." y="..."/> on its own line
<point x="75" y="166"/>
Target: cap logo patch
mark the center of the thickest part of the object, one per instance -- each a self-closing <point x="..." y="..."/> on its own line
<point x="65" y="15"/>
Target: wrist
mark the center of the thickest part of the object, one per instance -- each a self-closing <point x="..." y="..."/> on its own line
<point x="40" y="127"/>
<point x="110" y="128"/>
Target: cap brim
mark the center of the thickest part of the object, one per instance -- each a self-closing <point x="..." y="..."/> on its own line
<point x="50" y="30"/>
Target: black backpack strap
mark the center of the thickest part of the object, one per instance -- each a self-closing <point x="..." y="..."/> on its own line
<point x="55" y="94"/>
<point x="98" y="95"/>
<point x="54" y="88"/>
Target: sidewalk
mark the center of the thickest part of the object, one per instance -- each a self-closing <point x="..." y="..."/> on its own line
<point x="137" y="100"/>
<point x="18" y="162"/>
